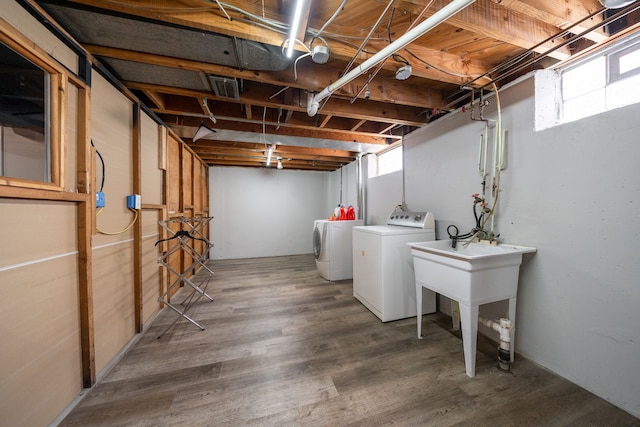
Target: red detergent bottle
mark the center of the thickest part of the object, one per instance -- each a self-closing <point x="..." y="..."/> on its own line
<point x="351" y="213"/>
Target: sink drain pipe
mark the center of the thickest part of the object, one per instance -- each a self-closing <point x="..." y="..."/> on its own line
<point x="503" y="327"/>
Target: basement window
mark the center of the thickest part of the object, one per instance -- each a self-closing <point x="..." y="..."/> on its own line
<point x="25" y="100"/>
<point x="602" y="83"/>
<point x="390" y="160"/>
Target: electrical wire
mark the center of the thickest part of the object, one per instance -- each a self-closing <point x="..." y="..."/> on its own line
<point x="390" y="40"/>
<point x="253" y="16"/>
<point x="102" y="162"/>
<point x="99" y="210"/>
<point x="366" y="40"/>
<point x="329" y="21"/>
<point x="127" y="228"/>
<point x="261" y="21"/>
<point x="564" y="32"/>
<point x="295" y="65"/>
<point x="441" y="70"/>
<point x="224" y="11"/>
<point x="518" y="63"/>
<point x="427" y="64"/>
<point x="362" y="46"/>
<point x="185" y="9"/>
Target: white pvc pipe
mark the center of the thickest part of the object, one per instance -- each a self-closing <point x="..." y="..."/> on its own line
<point x="503" y="327"/>
<point x="505" y="351"/>
<point x="411" y="35"/>
<point x="366" y="39"/>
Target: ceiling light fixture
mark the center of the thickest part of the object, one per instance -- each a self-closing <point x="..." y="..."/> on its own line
<point x="269" y="154"/>
<point x="320" y="54"/>
<point x="279" y="162"/>
<point x="404" y="72"/>
<point x="295" y="23"/>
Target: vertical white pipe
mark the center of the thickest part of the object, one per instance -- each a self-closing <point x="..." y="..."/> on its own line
<point x="497" y="156"/>
<point x="484" y="149"/>
<point x="361" y="189"/>
<point x="408" y="37"/>
<point x="502" y="138"/>
<point x="496" y="170"/>
<point x="480" y="154"/>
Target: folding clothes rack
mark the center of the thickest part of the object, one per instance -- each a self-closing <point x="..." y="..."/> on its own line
<point x="191" y="231"/>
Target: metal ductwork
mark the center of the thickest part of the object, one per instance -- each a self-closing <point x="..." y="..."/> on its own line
<point x="615" y="4"/>
<point x="224" y="87"/>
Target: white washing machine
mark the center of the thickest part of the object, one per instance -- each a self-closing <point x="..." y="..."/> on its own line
<point x="332" y="248"/>
<point x="383" y="278"/>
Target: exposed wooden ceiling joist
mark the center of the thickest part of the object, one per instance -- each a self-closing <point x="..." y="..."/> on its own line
<point x="137" y="40"/>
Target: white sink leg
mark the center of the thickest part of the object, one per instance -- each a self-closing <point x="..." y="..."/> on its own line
<point x="512" y="318"/>
<point x="469" y="318"/>
<point x="419" y="308"/>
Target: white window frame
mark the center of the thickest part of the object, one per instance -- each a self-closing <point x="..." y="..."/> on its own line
<point x="601" y="98"/>
<point x="387" y="162"/>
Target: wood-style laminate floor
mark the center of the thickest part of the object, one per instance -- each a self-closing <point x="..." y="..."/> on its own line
<point x="284" y="347"/>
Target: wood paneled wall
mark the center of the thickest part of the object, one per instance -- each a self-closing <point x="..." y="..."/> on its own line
<point x="71" y="298"/>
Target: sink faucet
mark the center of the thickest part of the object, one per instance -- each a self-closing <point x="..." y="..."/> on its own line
<point x="454" y="237"/>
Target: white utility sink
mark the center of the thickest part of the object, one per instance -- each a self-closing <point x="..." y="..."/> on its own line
<point x="471" y="274"/>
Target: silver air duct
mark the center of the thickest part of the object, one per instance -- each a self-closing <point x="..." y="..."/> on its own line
<point x="615" y="4"/>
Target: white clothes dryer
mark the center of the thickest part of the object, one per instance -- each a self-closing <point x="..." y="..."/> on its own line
<point x="332" y="248"/>
<point x="383" y="274"/>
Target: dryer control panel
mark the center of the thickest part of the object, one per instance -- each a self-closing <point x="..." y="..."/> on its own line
<point x="400" y="218"/>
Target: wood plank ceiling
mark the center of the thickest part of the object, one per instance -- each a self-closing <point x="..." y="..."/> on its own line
<point x="193" y="60"/>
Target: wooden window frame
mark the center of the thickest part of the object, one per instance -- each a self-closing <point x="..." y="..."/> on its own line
<point x="58" y="81"/>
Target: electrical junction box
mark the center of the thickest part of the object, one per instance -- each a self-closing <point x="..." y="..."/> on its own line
<point x="133" y="201"/>
<point x="99" y="199"/>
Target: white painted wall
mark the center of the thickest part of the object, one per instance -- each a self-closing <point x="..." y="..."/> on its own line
<point x="383" y="194"/>
<point x="270" y="212"/>
<point x="341" y="188"/>
<point x="572" y="191"/>
<point x="263" y="212"/>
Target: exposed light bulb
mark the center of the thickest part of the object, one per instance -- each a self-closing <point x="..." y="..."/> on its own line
<point x="404" y="72"/>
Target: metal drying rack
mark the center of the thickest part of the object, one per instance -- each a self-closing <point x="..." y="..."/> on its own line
<point x="191" y="231"/>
